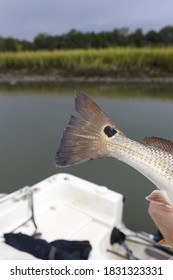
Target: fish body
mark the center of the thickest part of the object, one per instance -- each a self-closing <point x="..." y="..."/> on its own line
<point x="92" y="134"/>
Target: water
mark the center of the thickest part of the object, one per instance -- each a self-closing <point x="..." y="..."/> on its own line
<point x="32" y="121"/>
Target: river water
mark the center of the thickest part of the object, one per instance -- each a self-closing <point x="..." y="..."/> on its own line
<point x="32" y="120"/>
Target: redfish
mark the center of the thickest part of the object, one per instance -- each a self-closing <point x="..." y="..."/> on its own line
<point x="92" y="135"/>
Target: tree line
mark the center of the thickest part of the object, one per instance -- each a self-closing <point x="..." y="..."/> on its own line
<point x="78" y="40"/>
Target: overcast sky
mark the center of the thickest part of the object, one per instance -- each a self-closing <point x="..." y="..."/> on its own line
<point x="24" y="19"/>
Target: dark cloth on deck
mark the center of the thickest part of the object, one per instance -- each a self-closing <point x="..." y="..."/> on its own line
<point x="55" y="250"/>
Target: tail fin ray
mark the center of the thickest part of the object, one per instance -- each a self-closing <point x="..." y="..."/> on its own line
<point x="83" y="139"/>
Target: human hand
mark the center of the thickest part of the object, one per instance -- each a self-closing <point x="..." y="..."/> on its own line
<point x="163" y="218"/>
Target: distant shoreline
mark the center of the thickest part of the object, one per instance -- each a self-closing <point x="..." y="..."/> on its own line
<point x="14" y="79"/>
<point x="111" y="65"/>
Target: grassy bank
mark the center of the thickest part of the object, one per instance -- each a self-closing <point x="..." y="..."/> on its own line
<point x="115" y="62"/>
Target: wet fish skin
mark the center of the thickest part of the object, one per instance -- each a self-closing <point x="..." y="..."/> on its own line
<point x="94" y="135"/>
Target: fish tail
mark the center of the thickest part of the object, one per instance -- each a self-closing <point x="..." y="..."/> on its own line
<point x="85" y="136"/>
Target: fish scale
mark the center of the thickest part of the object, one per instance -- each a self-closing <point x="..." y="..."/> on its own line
<point x="155" y="159"/>
<point x="92" y="134"/>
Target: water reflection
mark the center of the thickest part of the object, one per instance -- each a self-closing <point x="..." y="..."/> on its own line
<point x="116" y="90"/>
<point x="32" y="120"/>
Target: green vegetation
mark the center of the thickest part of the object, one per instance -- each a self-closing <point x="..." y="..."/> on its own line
<point x="117" y="53"/>
<point x="78" y="40"/>
<point x="110" y="62"/>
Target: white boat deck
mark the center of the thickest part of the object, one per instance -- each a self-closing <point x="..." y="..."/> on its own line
<point x="65" y="207"/>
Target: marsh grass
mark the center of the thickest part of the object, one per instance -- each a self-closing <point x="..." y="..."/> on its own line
<point x="92" y="62"/>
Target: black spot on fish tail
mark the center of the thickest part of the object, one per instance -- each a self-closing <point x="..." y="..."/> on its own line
<point x="83" y="139"/>
<point x="109" y="131"/>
